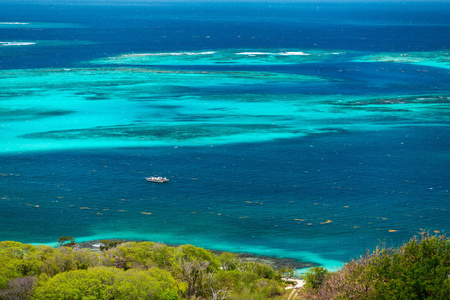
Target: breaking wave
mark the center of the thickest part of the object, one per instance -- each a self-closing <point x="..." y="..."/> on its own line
<point x="293" y="53"/>
<point x="13" y="23"/>
<point x="167" y="54"/>
<point x="16" y="43"/>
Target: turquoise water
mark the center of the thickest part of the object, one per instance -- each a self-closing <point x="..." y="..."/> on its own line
<point x="313" y="138"/>
<point x="130" y="105"/>
<point x="437" y="59"/>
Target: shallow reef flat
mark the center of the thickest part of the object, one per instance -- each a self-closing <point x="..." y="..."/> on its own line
<point x="308" y="131"/>
<point x="222" y="57"/>
<point x="125" y="105"/>
<point x="436" y="59"/>
<point x="134" y="104"/>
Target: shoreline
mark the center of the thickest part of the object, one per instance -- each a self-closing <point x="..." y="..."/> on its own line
<point x="274" y="262"/>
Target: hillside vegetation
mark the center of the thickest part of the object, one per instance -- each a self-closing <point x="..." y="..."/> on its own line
<point x="419" y="269"/>
<point x="131" y="270"/>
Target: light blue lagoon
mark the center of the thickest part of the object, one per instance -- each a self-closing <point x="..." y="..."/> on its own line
<point x="307" y="131"/>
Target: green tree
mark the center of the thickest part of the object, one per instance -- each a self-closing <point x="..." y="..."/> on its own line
<point x="139" y="284"/>
<point x="13" y="262"/>
<point x="315" y="277"/>
<point x="66" y="241"/>
<point x="109" y="283"/>
<point x="163" y="256"/>
<point x="420" y="269"/>
<point x="109" y="244"/>
<point x="131" y="254"/>
<point x="193" y="265"/>
<point x="85" y="259"/>
<point x="80" y="284"/>
<point x="58" y="261"/>
<point x="228" y="261"/>
<point x="131" y="271"/>
<point x="286" y="272"/>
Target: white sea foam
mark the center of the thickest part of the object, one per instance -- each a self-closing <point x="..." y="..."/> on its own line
<point x="167" y="54"/>
<point x="256" y="53"/>
<point x="16" y="43"/>
<point x="13" y="23"/>
<point x="273" y="53"/>
<point x="294" y="53"/>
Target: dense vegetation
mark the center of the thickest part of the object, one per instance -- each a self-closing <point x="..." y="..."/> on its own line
<point x="419" y="269"/>
<point x="131" y="270"/>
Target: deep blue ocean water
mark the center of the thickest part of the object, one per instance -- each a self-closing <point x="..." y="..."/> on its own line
<point x="300" y="130"/>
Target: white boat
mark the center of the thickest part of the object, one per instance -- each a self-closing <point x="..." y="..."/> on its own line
<point x="157" y="179"/>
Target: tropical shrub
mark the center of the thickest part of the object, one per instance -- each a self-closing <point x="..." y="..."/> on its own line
<point x="109" y="283"/>
<point x="131" y="270"/>
<point x="419" y="269"/>
<point x="18" y="288"/>
<point x="315" y="277"/>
